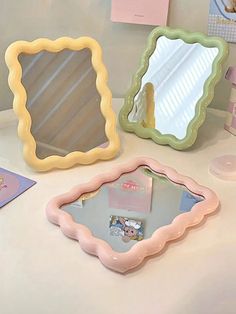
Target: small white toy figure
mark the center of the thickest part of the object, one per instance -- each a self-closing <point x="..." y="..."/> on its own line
<point x="231" y="6"/>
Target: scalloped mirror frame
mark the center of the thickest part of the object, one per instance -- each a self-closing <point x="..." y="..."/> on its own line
<point x="201" y="105"/>
<point x="123" y="262"/>
<point x="20" y="98"/>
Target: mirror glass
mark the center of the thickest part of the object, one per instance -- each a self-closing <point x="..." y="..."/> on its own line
<point x="131" y="208"/>
<point x="63" y="102"/>
<point x="172" y="86"/>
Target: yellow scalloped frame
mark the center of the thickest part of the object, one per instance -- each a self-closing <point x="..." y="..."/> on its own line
<point x="20" y="98"/>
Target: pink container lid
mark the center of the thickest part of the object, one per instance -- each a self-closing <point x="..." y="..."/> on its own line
<point x="224" y="167"/>
<point x="231" y="74"/>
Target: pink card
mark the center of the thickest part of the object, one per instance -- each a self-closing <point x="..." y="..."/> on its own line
<point x="132" y="192"/>
<point x="149" y="12"/>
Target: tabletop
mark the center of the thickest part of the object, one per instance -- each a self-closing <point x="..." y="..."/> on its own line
<point x="43" y="271"/>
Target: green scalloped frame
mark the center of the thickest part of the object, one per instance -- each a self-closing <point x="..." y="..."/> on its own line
<point x="201" y="105"/>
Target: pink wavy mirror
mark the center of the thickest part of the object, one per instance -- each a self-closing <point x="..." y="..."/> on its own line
<point x="129" y="214"/>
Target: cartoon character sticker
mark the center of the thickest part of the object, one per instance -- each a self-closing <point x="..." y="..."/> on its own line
<point x="230" y="6"/>
<point x="126" y="228"/>
<point x="9" y="186"/>
<point x="2" y="183"/>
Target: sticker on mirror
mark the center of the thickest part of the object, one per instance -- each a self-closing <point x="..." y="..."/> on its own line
<point x="126" y="228"/>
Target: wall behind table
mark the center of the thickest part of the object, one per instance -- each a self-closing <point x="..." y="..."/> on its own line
<point x="122" y="44"/>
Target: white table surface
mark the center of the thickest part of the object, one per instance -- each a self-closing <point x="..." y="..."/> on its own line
<point x="42" y="271"/>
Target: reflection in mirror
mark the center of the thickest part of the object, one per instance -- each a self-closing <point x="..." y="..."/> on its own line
<point x="131" y="208"/>
<point x="63" y="102"/>
<point x="172" y="86"/>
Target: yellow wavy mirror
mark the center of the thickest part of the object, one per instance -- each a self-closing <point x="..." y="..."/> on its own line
<point x="63" y="102"/>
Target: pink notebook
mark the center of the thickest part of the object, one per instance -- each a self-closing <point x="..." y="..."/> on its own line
<point x="149" y="12"/>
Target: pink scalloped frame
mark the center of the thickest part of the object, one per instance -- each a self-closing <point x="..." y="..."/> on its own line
<point x="123" y="262"/>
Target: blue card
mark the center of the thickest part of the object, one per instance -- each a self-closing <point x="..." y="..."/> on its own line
<point x="12" y="185"/>
<point x="188" y="200"/>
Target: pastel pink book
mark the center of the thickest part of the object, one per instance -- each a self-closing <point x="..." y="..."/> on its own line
<point x="149" y="12"/>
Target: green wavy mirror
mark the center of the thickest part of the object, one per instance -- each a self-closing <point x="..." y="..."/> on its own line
<point x="173" y="86"/>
